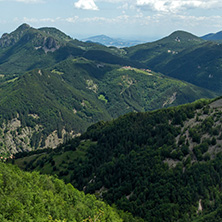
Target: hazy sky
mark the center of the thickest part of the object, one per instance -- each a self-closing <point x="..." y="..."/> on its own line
<point x="133" y="19"/>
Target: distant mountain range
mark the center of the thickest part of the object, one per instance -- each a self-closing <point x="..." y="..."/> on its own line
<point x="116" y="42"/>
<point x="213" y="37"/>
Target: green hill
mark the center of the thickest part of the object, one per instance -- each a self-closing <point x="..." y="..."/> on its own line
<point x="201" y="66"/>
<point x="164" y="49"/>
<point x="183" y="56"/>
<point x="163" y="165"/>
<point x="217" y="37"/>
<point x="45" y="107"/>
<point x="53" y="87"/>
<point x="27" y="48"/>
<point x="35" y="197"/>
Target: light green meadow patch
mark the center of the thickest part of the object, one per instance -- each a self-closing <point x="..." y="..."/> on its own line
<point x="102" y="97"/>
<point x="142" y="71"/>
<point x="12" y="80"/>
<point x="57" y="72"/>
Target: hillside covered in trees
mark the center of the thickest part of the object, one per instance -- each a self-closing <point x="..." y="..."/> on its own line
<point x="34" y="197"/>
<point x="53" y="87"/>
<point x="184" y="56"/>
<point x="163" y="165"/>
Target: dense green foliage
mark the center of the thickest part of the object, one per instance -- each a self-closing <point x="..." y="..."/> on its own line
<point x="141" y="90"/>
<point x="183" y="56"/>
<point x="150" y="164"/>
<point x="71" y="84"/>
<point x="158" y="50"/>
<point x="158" y="165"/>
<point x="78" y="92"/>
<point x="35" y="197"/>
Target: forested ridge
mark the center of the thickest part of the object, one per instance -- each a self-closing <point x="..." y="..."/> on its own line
<point x="183" y="56"/>
<point x="53" y="87"/>
<point x="160" y="165"/>
<point x="69" y="97"/>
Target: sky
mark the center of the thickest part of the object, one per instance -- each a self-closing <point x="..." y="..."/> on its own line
<point x="145" y="20"/>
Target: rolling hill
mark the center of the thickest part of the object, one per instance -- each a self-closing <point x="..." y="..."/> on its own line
<point x="28" y="48"/>
<point x="183" y="56"/>
<point x="53" y="87"/>
<point x="163" y="165"/>
<point x="213" y="37"/>
<point x="45" y="107"/>
<point x="163" y="49"/>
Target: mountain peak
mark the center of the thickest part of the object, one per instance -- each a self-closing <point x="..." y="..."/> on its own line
<point x="183" y="34"/>
<point x="23" y="27"/>
<point x="10" y="39"/>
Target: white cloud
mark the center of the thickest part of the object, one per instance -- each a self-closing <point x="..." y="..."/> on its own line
<point x="72" y="19"/>
<point x="86" y="4"/>
<point x="25" y="1"/>
<point x="30" y="1"/>
<point x="36" y="20"/>
<point x="177" y="5"/>
<point x="113" y="1"/>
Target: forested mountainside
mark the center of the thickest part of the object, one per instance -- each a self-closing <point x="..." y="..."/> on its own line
<point x="28" y="48"/>
<point x="183" y="56"/>
<point x="71" y="85"/>
<point x="34" y="197"/>
<point x="217" y="37"/>
<point x="163" y="165"/>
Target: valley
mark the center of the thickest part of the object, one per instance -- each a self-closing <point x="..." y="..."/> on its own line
<point x="68" y="85"/>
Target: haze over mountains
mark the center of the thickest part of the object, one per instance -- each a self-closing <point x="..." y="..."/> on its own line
<point x="213" y="36"/>
<point x="116" y="42"/>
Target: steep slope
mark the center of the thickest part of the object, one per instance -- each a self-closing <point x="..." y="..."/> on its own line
<point x="200" y="66"/>
<point x="163" y="165"/>
<point x="45" y="107"/>
<point x="41" y="109"/>
<point x="34" y="197"/>
<point x="183" y="56"/>
<point x="128" y="89"/>
<point x="27" y="48"/>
